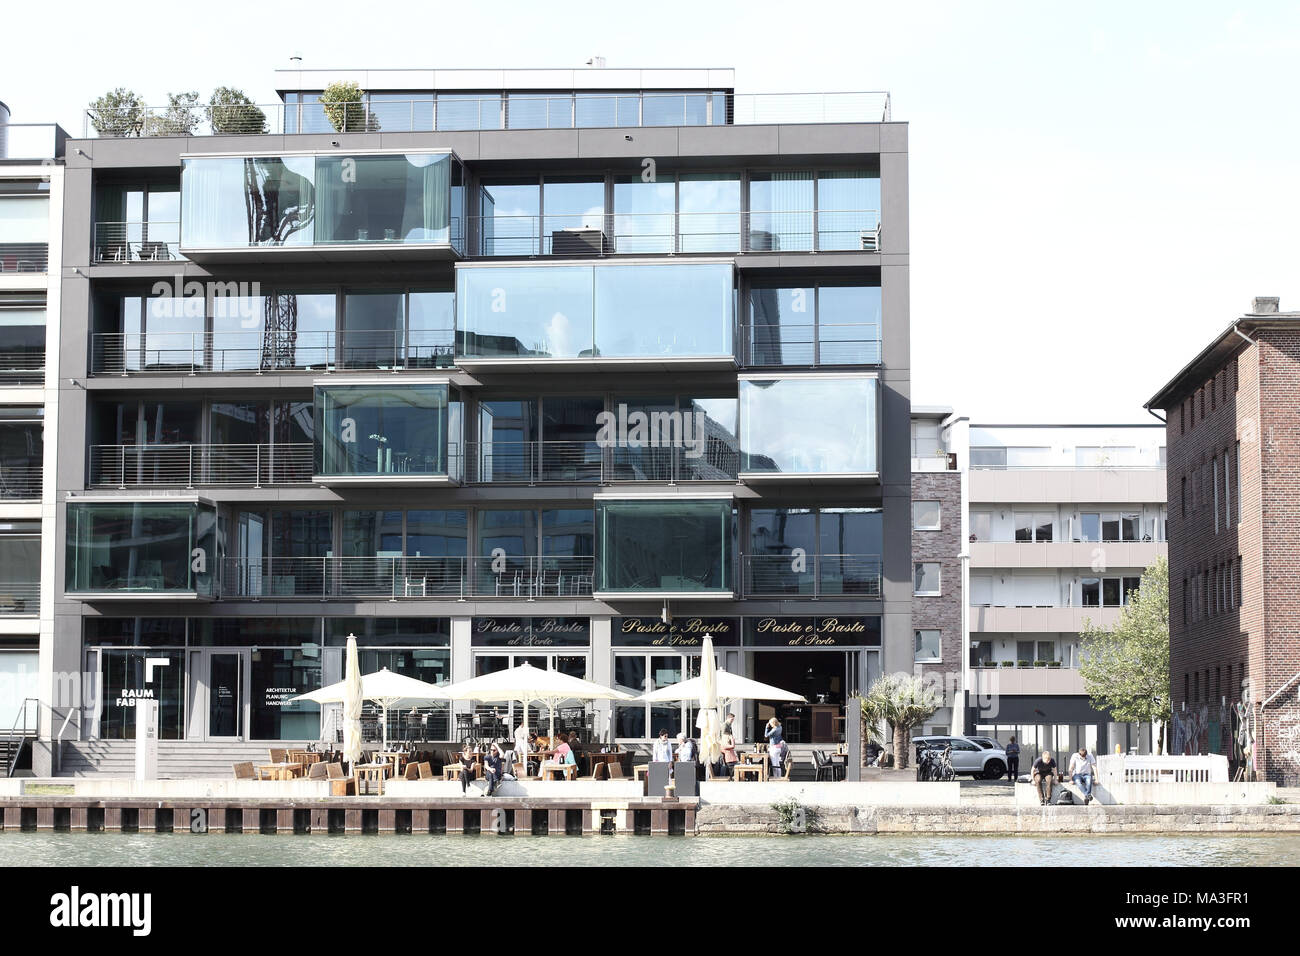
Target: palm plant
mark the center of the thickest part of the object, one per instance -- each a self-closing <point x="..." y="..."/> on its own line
<point x="901" y="702"/>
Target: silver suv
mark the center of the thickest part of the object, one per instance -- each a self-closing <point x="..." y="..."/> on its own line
<point x="967" y="756"/>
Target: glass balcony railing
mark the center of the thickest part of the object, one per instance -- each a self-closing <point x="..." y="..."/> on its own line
<point x="600" y="311"/>
<point x="811" y="426"/>
<point x="191" y="465"/>
<point x="395" y="201"/>
<point x="137" y="242"/>
<point x="673" y="233"/>
<point x="126" y="353"/>
<point x="388" y="113"/>
<point x="379" y="577"/>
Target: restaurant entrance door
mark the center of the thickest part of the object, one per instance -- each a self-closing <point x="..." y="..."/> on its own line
<point x="218" y="693"/>
<point x="824" y="677"/>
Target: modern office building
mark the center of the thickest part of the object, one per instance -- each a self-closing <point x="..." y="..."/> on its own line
<point x="1234" y="556"/>
<point x="561" y="366"/>
<point x="1059" y="523"/>
<point x="31" y="213"/>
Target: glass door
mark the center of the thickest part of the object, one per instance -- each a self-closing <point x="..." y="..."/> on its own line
<point x="227" y="694"/>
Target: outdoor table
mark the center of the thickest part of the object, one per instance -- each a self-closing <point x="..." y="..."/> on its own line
<point x="280" y="771"/>
<point x="567" y="771"/>
<point x="542" y="757"/>
<point x="641" y="771"/>
<point x="368" y="772"/>
<point x="756" y="770"/>
<point x="754" y="757"/>
<point x="393" y="757"/>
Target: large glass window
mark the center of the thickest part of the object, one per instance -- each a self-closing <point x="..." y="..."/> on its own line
<point x="781" y="211"/>
<point x="573" y="208"/>
<point x="124" y="675"/>
<point x="813" y="425"/>
<point x="510" y="217"/>
<point x="235" y="202"/>
<point x="709" y="207"/>
<point x="22" y="452"/>
<point x="20" y="568"/>
<point x="676" y="310"/>
<point x="22" y="336"/>
<point x="141" y="547"/>
<point x="848" y="204"/>
<point x="644" y="215"/>
<point x="639" y="673"/>
<point x="813" y="325"/>
<point x="665" y="546"/>
<point x="404" y="430"/>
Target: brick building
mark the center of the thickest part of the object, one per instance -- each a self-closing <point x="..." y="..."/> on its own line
<point x="1234" y="555"/>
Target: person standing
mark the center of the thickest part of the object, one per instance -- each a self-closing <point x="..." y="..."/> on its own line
<point x="773" y="732"/>
<point x="733" y="728"/>
<point x="685" y="749"/>
<point x="521" y="747"/>
<point x="1013" y="760"/>
<point x="663" y="749"/>
<point x="1083" y="768"/>
<point x="1044" y="775"/>
<point x="729" y="757"/>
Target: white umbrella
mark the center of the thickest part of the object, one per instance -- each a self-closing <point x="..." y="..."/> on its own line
<point x="526" y="684"/>
<point x="384" y="687"/>
<point x="730" y="688"/>
<point x="709" y="721"/>
<point x="352" y="704"/>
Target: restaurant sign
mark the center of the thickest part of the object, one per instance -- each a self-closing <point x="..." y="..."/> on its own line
<point x="812" y="632"/>
<point x="682" y="632"/>
<point x="531" y="632"/>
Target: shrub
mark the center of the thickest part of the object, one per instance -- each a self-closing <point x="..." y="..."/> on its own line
<point x="119" y="112"/>
<point x="230" y="111"/>
<point x="344" y="105"/>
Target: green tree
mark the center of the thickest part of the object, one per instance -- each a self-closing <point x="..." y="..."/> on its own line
<point x="119" y="112"/>
<point x="230" y="111"/>
<point x="901" y="702"/>
<point x="1126" y="670"/>
<point x="180" y="118"/>
<point x="344" y="104"/>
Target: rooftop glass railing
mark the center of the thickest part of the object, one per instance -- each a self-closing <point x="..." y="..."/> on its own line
<point x="489" y="111"/>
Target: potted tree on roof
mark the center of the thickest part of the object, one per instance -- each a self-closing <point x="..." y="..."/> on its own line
<point x="230" y="111"/>
<point x="345" y="108"/>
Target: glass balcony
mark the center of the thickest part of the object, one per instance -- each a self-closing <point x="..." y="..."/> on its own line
<point x="394" y="204"/>
<point x="374" y="434"/>
<point x="658" y="547"/>
<point x="808" y="427"/>
<point x="135" y="550"/>
<point x="672" y="312"/>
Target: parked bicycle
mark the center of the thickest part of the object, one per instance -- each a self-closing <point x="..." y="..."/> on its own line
<point x="935" y="765"/>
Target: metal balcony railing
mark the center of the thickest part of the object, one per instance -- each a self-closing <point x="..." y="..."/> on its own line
<point x="486" y="111"/>
<point x="24" y="256"/>
<point x="126" y="466"/>
<point x="22" y="367"/>
<point x="812" y="575"/>
<point x="407" y="577"/>
<point x="137" y="241"/>
<point x="20" y="481"/>
<point x="126" y="353"/>
<point x="840" y="343"/>
<point x="20" y="598"/>
<point x="618" y="233"/>
<point x="540" y="462"/>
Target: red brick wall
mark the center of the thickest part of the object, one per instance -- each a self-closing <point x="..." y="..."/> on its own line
<point x="1219" y="646"/>
<point x="944" y="546"/>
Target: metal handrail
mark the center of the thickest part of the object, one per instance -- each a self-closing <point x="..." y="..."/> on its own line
<point x="813" y="575"/>
<point x="126" y="353"/>
<point x="452" y="111"/>
<point x="187" y="465"/>
<point x="27" y="731"/>
<point x="24" y="256"/>
<point x="22" y="367"/>
<point x="622" y="233"/>
<point x="137" y="241"/>
<point x="403" y="576"/>
<point x="21" y="481"/>
<point x="20" y="598"/>
<point x="567" y="462"/>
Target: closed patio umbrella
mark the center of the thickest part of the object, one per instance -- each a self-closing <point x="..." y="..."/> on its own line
<point x="709" y="721"/>
<point x="352" y="704"/>
<point x="526" y="684"/>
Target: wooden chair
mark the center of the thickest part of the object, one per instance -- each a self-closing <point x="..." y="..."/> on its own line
<point x="521" y="771"/>
<point x="278" y="755"/>
<point x="615" y="771"/>
<point x="319" y="771"/>
<point x="424" y="770"/>
<point x="334" y="771"/>
<point x="787" y="768"/>
<point x="244" y="771"/>
<point x="412" y="772"/>
<point x="599" y="771"/>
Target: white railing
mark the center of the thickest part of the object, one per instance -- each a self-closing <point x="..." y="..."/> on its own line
<point x="539" y="462"/>
<point x="137" y="241"/>
<point x="494" y="111"/>
<point x="1117" y="769"/>
<point x="125" y="466"/>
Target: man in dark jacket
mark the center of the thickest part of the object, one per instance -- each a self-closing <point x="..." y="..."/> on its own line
<point x="1044" y="776"/>
<point x="1013" y="760"/>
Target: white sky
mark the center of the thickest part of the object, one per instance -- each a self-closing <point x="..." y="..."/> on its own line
<point x="1096" y="189"/>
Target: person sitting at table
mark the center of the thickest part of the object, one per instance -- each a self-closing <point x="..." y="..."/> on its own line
<point x="564" y="752"/>
<point x="494" y="768"/>
<point x="663" y="749"/>
<point x="575" y="745"/>
<point x="468" y="765"/>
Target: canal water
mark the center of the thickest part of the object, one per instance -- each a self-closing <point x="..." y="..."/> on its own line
<point x="122" y="849"/>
